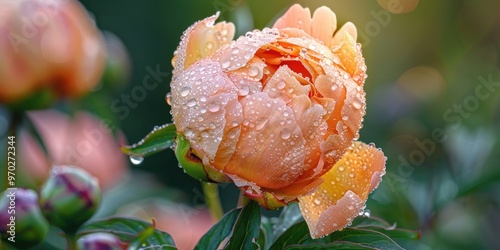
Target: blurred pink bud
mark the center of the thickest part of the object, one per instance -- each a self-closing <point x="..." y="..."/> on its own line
<point x="47" y="45"/>
<point x="185" y="224"/>
<point x="82" y="141"/>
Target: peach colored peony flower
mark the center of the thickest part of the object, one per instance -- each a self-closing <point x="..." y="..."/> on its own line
<point x="278" y="112"/>
<point x="47" y="45"/>
<point x="83" y="141"/>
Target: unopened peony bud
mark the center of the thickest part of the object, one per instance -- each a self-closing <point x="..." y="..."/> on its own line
<point x="21" y="221"/>
<point x="69" y="197"/>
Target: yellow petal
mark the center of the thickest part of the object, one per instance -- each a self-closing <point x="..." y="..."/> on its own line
<point x="344" y="191"/>
<point x="351" y="59"/>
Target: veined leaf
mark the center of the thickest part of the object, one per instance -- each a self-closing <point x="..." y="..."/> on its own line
<point x="298" y="237"/>
<point x="160" y="138"/>
<point x="132" y="231"/>
<point x="219" y="232"/>
<point x="247" y="228"/>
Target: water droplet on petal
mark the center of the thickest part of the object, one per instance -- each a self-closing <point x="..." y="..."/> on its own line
<point x="213" y="107"/>
<point x="253" y="71"/>
<point x="357" y="104"/>
<point x="185" y="91"/>
<point x="317" y="201"/>
<point x="281" y="85"/>
<point x="205" y="134"/>
<point x="226" y="64"/>
<point x="261" y="122"/>
<point x="191" y="103"/>
<point x="243" y="90"/>
<point x="341" y="168"/>
<point x="285" y="133"/>
<point x="136" y="160"/>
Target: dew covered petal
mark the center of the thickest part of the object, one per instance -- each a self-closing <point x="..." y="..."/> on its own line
<point x="270" y="150"/>
<point x="344" y="191"/>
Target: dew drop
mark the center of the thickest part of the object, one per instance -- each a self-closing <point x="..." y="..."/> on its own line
<point x="367" y="213"/>
<point x="226" y="64"/>
<point x="317" y="201"/>
<point x="185" y="91"/>
<point x="213" y="107"/>
<point x="188" y="132"/>
<point x="341" y="168"/>
<point x="191" y="103"/>
<point x="205" y="134"/>
<point x="345" y="117"/>
<point x="243" y="90"/>
<point x="253" y="71"/>
<point x="281" y="85"/>
<point x="136" y="160"/>
<point x="209" y="45"/>
<point x="168" y="97"/>
<point x="357" y="104"/>
<point x="285" y="133"/>
<point x="261" y="122"/>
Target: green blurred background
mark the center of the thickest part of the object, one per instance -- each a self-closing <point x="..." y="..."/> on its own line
<point x="432" y="95"/>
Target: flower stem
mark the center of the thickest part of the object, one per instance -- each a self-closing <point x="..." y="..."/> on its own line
<point x="71" y="239"/>
<point x="243" y="200"/>
<point x="211" y="191"/>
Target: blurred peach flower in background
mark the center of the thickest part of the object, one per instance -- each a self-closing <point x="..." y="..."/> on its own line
<point x="185" y="224"/>
<point x="278" y="112"/>
<point x="83" y="141"/>
<point x="48" y="46"/>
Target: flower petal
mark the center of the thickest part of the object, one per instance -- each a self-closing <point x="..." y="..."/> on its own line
<point x="348" y="28"/>
<point x="351" y="59"/>
<point x="203" y="106"/>
<point x="343" y="194"/>
<point x="201" y="40"/>
<point x="324" y="24"/>
<point x="270" y="150"/>
<point x="283" y="85"/>
<point x="295" y="17"/>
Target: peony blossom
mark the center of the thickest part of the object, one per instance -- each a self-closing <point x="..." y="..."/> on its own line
<point x="83" y="141"/>
<point x="278" y="112"/>
<point x="47" y="45"/>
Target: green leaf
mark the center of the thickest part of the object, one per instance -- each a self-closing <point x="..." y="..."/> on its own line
<point x="298" y="237"/>
<point x="296" y="234"/>
<point x="289" y="216"/>
<point x="266" y="237"/>
<point x="247" y="228"/>
<point x="380" y="225"/>
<point x="219" y="232"/>
<point x="159" y="139"/>
<point x="129" y="230"/>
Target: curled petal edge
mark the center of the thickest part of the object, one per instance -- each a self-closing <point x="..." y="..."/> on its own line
<point x="341" y="197"/>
